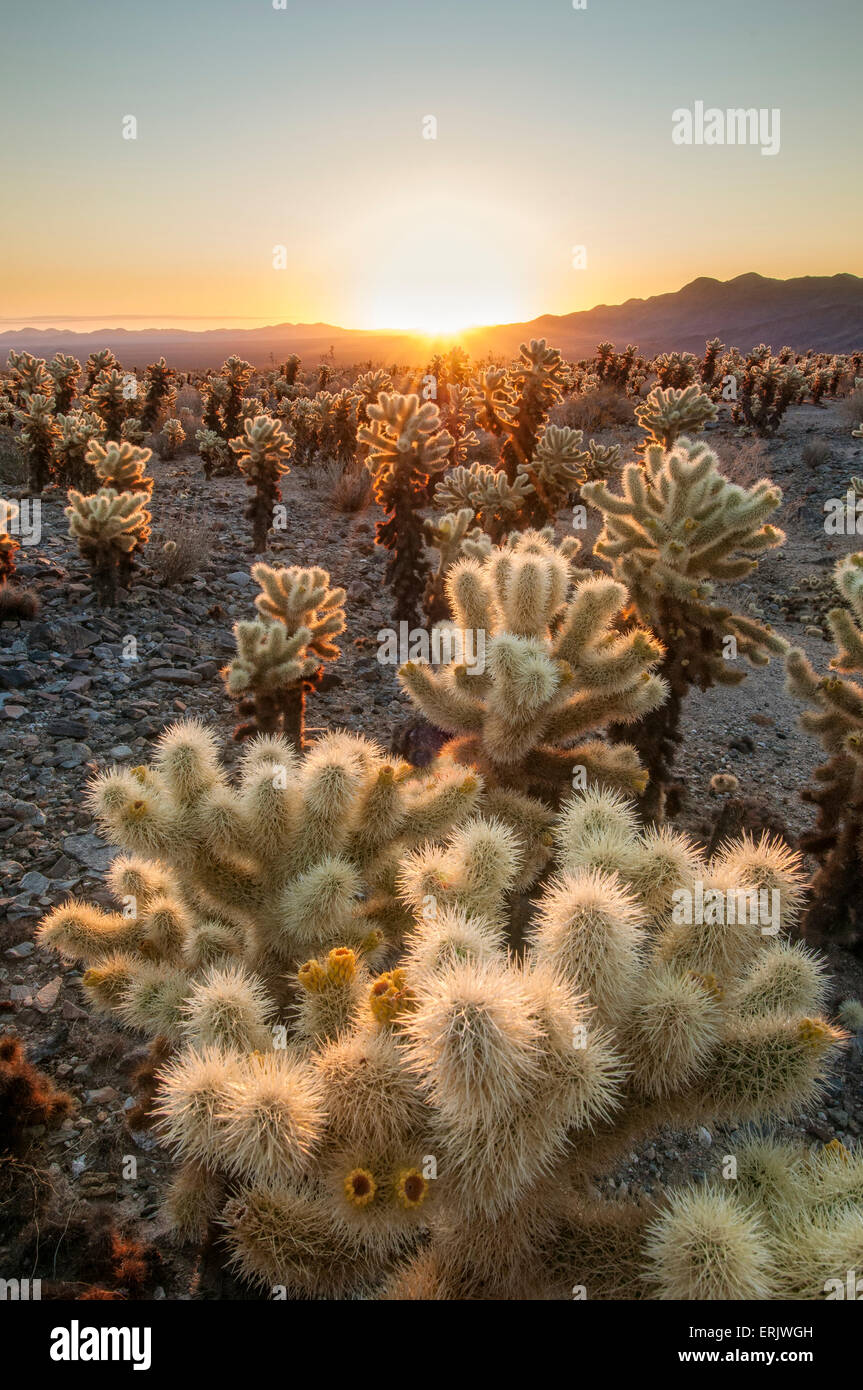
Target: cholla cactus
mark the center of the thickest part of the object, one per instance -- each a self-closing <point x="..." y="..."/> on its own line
<point x="675" y="370"/>
<point x="214" y="453"/>
<point x="98" y="363"/>
<point x="120" y="467"/>
<point x="602" y="459"/>
<point x="77" y="431"/>
<point x="110" y="527"/>
<point x="446" y="535"/>
<point x="262" y="453"/>
<point x="667" y="414"/>
<point x="160" y="379"/>
<point x="836" y="717"/>
<point x="677" y="528"/>
<point x="789" y="1226"/>
<point x="435" y="1129"/>
<point x="30" y="376"/>
<point x="8" y="544"/>
<point x="172" y="438"/>
<point x="406" y="446"/>
<point x="39" y="438"/>
<point x="767" y="387"/>
<point x="546" y="671"/>
<point x="709" y="369"/>
<point x="236" y="375"/>
<point x="65" y="372"/>
<point x="457" y="420"/>
<point x="110" y="401"/>
<point x="279" y="658"/>
<point x="250" y="881"/>
<point x="557" y="468"/>
<point x="513" y="405"/>
<point x="497" y="505"/>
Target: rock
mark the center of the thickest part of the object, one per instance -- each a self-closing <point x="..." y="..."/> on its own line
<point x="24" y="948"/>
<point x="70" y="753"/>
<point x="73" y="1011"/>
<point x="48" y="995"/>
<point x="50" y="1046"/>
<point x="34" y="882"/>
<point x="103" y="1096"/>
<point x="121" y="751"/>
<point x="64" y="868"/>
<point x="66" y="728"/>
<point x="239" y="579"/>
<point x="91" y="851"/>
<point x="176" y="677"/>
<point x="704" y="1136"/>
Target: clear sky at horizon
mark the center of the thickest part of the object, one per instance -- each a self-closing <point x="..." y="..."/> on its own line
<point x="303" y="127"/>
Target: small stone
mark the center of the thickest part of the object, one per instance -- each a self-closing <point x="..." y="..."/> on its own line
<point x="704" y="1136"/>
<point x="48" y="995"/>
<point x="121" y="751"/>
<point x="24" y="948"/>
<point x="103" y="1096"/>
<point x="33" y="882"/>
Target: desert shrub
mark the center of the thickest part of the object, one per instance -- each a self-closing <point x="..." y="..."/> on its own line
<point x="600" y="409"/>
<point x="181" y="550"/>
<point x="816" y="454"/>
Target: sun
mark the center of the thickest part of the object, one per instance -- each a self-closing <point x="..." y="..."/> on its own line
<point x="454" y="268"/>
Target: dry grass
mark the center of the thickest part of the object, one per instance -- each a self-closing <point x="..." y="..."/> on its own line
<point x="180" y="552"/>
<point x="851" y="407"/>
<point x="596" y="410"/>
<point x="816" y="454"/>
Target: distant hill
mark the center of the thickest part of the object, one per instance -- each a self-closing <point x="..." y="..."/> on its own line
<point x="813" y="311"/>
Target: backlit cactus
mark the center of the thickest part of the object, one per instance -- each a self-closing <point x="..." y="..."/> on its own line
<point x="432" y="1129"/>
<point x="110" y="527"/>
<point x="676" y="528"/>
<point x="406" y="446"/>
<point x="262" y="455"/>
<point x="836" y="717"/>
<point x="279" y="657"/>
<point x="542" y="671"/>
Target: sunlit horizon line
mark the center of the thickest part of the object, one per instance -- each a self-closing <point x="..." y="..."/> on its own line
<point x="155" y="324"/>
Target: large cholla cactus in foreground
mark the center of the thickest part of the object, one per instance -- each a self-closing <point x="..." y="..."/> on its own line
<point x="262" y="453"/>
<point x="836" y="717"/>
<point x="110" y="527"/>
<point x="677" y="528"/>
<point x="433" y="1131"/>
<point x="790" y="1226"/>
<point x="234" y="886"/>
<point x="542" y="670"/>
<point x="279" y="657"/>
<point x="406" y="446"/>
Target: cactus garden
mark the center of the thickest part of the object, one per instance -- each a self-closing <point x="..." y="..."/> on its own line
<point x="431" y="668"/>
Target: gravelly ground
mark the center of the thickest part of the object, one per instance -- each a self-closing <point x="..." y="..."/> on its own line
<point x="70" y="704"/>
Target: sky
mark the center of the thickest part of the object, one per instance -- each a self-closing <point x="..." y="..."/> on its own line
<point x="303" y="128"/>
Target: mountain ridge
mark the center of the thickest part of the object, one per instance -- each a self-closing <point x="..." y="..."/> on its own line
<point x="820" y="312"/>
